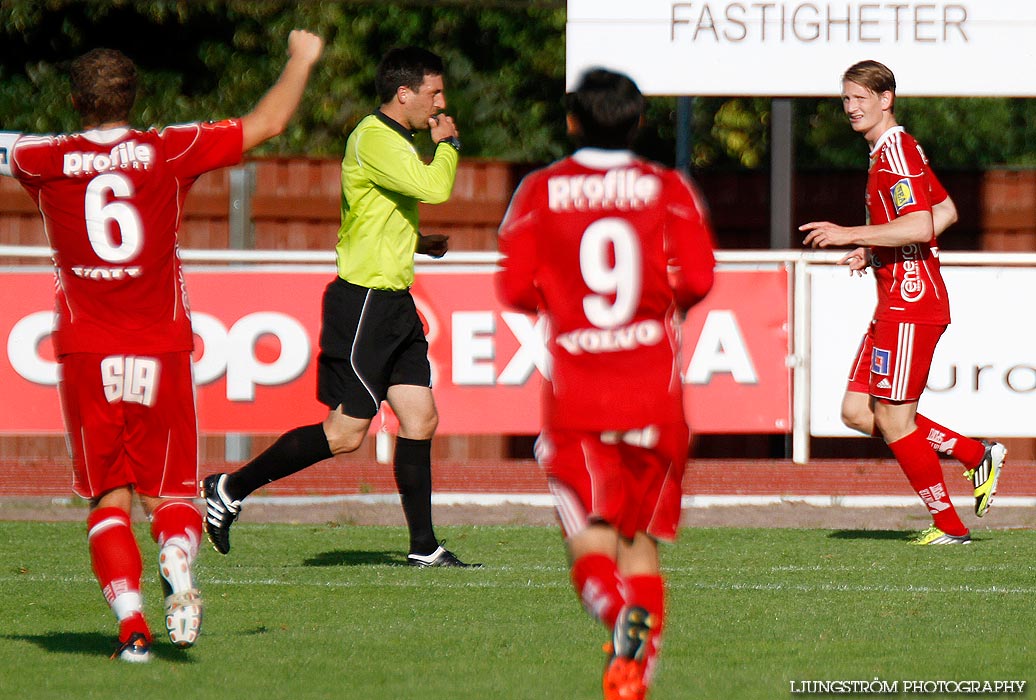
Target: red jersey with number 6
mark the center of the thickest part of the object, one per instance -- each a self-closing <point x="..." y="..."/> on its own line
<point x="899" y="182"/>
<point x="112" y="202"/>
<point x="612" y="249"/>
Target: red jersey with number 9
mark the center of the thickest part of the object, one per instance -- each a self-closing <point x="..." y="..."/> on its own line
<point x="611" y="248"/>
<point x="112" y="201"/>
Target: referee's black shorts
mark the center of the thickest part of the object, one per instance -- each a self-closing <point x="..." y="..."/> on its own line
<point x="370" y="339"/>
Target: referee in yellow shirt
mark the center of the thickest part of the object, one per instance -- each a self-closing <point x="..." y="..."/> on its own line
<point x="372" y="342"/>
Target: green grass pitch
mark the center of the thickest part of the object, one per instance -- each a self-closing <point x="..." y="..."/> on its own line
<point x="301" y="611"/>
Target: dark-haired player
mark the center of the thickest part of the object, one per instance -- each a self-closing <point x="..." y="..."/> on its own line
<point x="613" y="250"/>
<point x="907" y="208"/>
<point x="111" y="197"/>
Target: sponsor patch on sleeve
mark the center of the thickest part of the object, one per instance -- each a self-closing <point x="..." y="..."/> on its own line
<point x="880" y="361"/>
<point x="902" y="195"/>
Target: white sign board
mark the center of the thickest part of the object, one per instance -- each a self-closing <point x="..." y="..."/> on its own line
<point x="797" y="48"/>
<point x="983" y="377"/>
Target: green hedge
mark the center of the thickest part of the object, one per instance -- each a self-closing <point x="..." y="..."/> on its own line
<point x="505" y="77"/>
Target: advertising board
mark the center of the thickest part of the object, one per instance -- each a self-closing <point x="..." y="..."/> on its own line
<point x="257" y="330"/>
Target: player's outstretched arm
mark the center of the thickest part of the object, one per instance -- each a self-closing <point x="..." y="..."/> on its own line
<point x="915" y="227"/>
<point x="271" y="114"/>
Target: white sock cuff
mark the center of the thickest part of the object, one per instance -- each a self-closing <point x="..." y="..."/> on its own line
<point x="127" y="604"/>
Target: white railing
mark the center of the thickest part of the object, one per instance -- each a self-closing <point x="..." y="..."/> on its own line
<point x="491" y="257"/>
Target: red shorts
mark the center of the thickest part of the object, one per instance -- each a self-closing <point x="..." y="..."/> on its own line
<point x="893" y="361"/>
<point x="597" y="477"/>
<point x="131" y="422"/>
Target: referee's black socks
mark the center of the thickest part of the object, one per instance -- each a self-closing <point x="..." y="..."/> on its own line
<point x="413" y="469"/>
<point x="293" y="451"/>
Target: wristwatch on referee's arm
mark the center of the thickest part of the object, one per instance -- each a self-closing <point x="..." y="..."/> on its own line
<point x="452" y="141"/>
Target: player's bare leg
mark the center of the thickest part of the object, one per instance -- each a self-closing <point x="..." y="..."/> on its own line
<point x="858" y="412"/>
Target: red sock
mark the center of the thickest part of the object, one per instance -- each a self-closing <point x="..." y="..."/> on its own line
<point x="177" y="522"/>
<point x="648" y="592"/>
<point x="116" y="563"/>
<point x="924" y="473"/>
<point x="133" y="624"/>
<point x="967" y="451"/>
<point x="596" y="581"/>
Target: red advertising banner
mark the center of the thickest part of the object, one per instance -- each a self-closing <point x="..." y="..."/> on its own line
<point x="257" y="332"/>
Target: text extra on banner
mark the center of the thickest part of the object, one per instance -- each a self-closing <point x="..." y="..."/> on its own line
<point x="256" y="341"/>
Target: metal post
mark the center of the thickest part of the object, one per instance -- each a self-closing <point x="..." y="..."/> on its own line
<point x="684" y="133"/>
<point x="782" y="174"/>
<point x="242" y="187"/>
<point x="801" y="362"/>
<point x="241" y="236"/>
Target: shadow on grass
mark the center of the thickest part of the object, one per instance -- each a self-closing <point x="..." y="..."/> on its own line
<point x="91" y="644"/>
<point x="355" y="558"/>
<point x="901" y="535"/>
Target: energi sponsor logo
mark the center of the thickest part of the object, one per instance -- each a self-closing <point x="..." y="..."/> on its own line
<point x="912" y="286"/>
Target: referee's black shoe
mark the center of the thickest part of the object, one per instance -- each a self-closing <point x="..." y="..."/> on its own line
<point x="440" y="557"/>
<point x="220" y="512"/>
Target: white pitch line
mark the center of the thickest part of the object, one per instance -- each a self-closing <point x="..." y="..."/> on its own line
<point x="689" y="501"/>
<point x="418" y="581"/>
<point x="842" y="501"/>
<point x="856" y="588"/>
<point x="440" y="499"/>
<point x="562" y="583"/>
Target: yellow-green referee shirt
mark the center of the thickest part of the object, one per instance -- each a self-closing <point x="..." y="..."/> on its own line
<point x="383" y="179"/>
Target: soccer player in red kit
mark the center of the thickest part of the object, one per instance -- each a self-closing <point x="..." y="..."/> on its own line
<point x="612" y="250"/>
<point x="112" y="198"/>
<point x="907" y="208"/>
